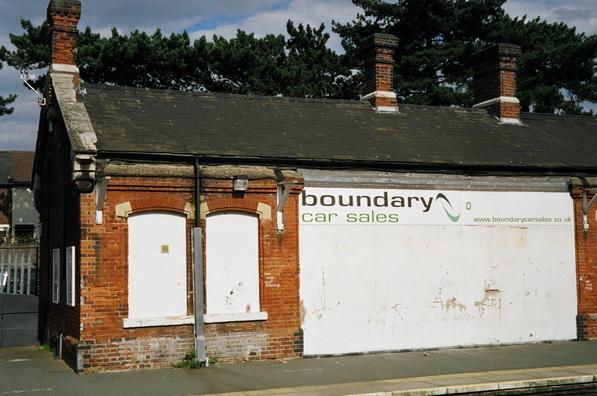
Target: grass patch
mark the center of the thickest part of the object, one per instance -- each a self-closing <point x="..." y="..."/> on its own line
<point x="47" y="348"/>
<point x="190" y="361"/>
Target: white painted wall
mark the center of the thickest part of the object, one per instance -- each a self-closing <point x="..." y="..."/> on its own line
<point x="232" y="263"/>
<point x="157" y="265"/>
<point x="428" y="281"/>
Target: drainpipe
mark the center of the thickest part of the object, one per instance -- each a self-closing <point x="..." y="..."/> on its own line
<point x="198" y="271"/>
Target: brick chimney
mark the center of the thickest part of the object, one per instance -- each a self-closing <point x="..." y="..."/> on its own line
<point x="378" y="52"/>
<point x="494" y="81"/>
<point x="63" y="17"/>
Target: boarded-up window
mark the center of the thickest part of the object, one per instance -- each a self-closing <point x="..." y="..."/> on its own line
<point x="232" y="267"/>
<point x="70" y="275"/>
<point x="157" y="285"/>
<point x="56" y="276"/>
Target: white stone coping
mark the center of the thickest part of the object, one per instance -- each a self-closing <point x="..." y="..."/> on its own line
<point x="511" y="121"/>
<point x="158" y="321"/>
<point x="379" y="94"/>
<point x="234" y="317"/>
<point x="499" y="99"/>
<point x="63" y="68"/>
<point x="190" y="319"/>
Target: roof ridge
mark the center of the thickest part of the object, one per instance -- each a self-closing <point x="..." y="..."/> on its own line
<point x="225" y="94"/>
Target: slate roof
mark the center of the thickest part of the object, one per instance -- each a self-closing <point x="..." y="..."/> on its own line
<point x="333" y="132"/>
<point x="15" y="167"/>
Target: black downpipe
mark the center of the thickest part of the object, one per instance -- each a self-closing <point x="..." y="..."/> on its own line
<point x="198" y="271"/>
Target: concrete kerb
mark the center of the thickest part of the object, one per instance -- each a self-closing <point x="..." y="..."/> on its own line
<point x="444" y="384"/>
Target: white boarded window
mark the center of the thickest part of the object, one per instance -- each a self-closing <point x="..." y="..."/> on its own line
<point x="157" y="264"/>
<point x="55" y="276"/>
<point x="70" y="275"/>
<point x="232" y="263"/>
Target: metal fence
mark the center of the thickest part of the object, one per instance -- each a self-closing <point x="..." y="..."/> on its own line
<point x="18" y="270"/>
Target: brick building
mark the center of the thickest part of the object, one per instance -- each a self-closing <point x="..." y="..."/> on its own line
<point x="259" y="228"/>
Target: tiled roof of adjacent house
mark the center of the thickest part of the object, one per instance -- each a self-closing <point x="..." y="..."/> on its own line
<point x="334" y="132"/>
<point x="15" y="167"/>
<point x="21" y="166"/>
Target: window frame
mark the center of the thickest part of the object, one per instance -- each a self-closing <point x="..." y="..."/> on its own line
<point x="219" y="317"/>
<point x="56" y="275"/>
<point x="162" y="319"/>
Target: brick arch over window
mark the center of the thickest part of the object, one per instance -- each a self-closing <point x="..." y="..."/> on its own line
<point x="262" y="210"/>
<point x="155" y="204"/>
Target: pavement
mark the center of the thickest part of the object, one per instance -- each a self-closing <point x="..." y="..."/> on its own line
<point x="498" y="370"/>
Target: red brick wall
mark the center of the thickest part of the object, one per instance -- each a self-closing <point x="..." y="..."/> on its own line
<point x="586" y="269"/>
<point x="280" y="335"/>
<point x="64" y="16"/>
<point x="378" y="55"/>
<point x="105" y="345"/>
<point x="494" y="76"/>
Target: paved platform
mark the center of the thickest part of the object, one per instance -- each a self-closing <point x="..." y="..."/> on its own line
<point x="495" y="369"/>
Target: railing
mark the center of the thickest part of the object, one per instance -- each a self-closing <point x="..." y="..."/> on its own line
<point x="18" y="270"/>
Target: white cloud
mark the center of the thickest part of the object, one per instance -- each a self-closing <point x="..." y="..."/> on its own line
<point x="579" y="13"/>
<point x="261" y="17"/>
<point x="300" y="11"/>
<point x="19" y="130"/>
<point x="169" y="16"/>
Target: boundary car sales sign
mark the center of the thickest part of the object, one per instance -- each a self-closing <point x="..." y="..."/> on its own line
<point x="356" y="206"/>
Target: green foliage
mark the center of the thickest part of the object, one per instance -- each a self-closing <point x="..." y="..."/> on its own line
<point x="437" y="37"/>
<point x="271" y="65"/>
<point x="557" y="66"/>
<point x="5" y="101"/>
<point x="190" y="361"/>
<point x="436" y="40"/>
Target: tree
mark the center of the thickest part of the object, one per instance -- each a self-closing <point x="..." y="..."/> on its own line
<point x="437" y="37"/>
<point x="557" y="66"/>
<point x="271" y="65"/>
<point x="5" y="101"/>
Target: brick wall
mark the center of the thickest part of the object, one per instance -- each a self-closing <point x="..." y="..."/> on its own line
<point x="495" y="76"/>
<point x="378" y="55"/>
<point x="280" y="335"/>
<point x="586" y="269"/>
<point x="60" y="222"/>
<point x="63" y="17"/>
<point x="104" y="344"/>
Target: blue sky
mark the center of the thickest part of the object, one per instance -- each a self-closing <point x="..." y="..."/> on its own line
<point x="208" y="17"/>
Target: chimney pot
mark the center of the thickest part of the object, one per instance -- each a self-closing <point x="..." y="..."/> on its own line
<point x="378" y="52"/>
<point x="494" y="81"/>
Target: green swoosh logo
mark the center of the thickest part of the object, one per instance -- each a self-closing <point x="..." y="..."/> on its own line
<point x="447" y="204"/>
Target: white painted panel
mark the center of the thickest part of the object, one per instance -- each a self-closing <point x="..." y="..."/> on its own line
<point x="70" y="275"/>
<point x="232" y="263"/>
<point x="430" y="281"/>
<point x="157" y="265"/>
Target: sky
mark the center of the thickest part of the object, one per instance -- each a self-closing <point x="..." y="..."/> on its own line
<point x="207" y="17"/>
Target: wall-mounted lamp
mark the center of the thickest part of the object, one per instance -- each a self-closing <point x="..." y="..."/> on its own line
<point x="240" y="183"/>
